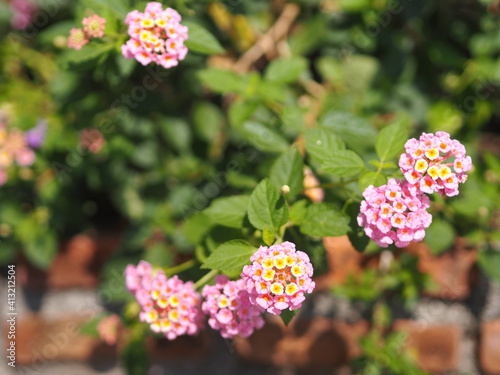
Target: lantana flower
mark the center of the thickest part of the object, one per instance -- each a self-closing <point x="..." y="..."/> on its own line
<point x="77" y="38"/>
<point x="435" y="163"/>
<point x="94" y="26"/>
<point x="14" y="150"/>
<point x="156" y="36"/>
<point x="36" y="136"/>
<point x="168" y="305"/>
<point x="229" y="309"/>
<point x="24" y="11"/>
<point x="394" y="213"/>
<point x="278" y="277"/>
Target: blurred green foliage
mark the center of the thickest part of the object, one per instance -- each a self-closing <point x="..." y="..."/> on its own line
<point x="196" y="156"/>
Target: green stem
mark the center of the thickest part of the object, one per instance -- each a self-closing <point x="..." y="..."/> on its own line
<point x="180" y="267"/>
<point x="205" y="279"/>
<point x="281" y="233"/>
<point x="332" y="184"/>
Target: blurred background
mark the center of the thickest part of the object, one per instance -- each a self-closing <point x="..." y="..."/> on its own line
<point x="118" y="158"/>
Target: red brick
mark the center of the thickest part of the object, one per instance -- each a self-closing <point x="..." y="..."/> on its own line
<point x="453" y="272"/>
<point x="343" y="261"/>
<point x="72" y="266"/>
<point x="436" y="347"/>
<point x="489" y="351"/>
<point x="39" y="341"/>
<point x="261" y="346"/>
<point x="183" y="347"/>
<point x="77" y="264"/>
<point x="306" y="344"/>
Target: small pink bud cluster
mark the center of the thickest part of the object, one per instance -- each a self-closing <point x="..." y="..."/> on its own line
<point x="156" y="36"/>
<point x="92" y="139"/>
<point x="229" y="309"/>
<point x="169" y="305"/>
<point x="278" y="278"/>
<point x="93" y="27"/>
<point x="108" y="329"/>
<point x="394" y="213"/>
<point x="435" y="163"/>
<point x="15" y="149"/>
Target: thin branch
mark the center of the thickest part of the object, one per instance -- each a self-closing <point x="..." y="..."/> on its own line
<point x="268" y="41"/>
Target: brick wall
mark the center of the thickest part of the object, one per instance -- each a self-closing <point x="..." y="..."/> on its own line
<point x="453" y="330"/>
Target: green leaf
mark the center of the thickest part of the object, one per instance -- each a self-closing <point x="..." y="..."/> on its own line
<point x="160" y="255"/>
<point x="288" y="169"/>
<point x="208" y="120"/>
<point x="267" y="207"/>
<point x="117" y="7"/>
<point x="309" y="36"/>
<point x="331" y="69"/>
<point x="145" y="154"/>
<point x="229" y="256"/>
<point x="343" y="163"/>
<point x="271" y="91"/>
<point x="221" y="81"/>
<point x="264" y="138"/>
<point x="321" y="142"/>
<point x="228" y="211"/>
<point x="356" y="132"/>
<point x="268" y="237"/>
<point x="200" y="40"/>
<point x="298" y="211"/>
<point x="324" y="220"/>
<point x="292" y="117"/>
<point x="84" y="57"/>
<point x="41" y="249"/>
<point x="439" y="236"/>
<point x="287" y="316"/>
<point x="489" y="262"/>
<point x="390" y="141"/>
<point x="285" y="69"/>
<point x="445" y="116"/>
<point x="357" y="236"/>
<point x="177" y="133"/>
<point x="386" y="165"/>
<point x="135" y="355"/>
<point x="9" y="252"/>
<point x="241" y="111"/>
<point x="358" y="71"/>
<point x="196" y="227"/>
<point x="371" y="178"/>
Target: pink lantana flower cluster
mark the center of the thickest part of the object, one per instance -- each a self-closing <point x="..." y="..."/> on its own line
<point x="229" y="309"/>
<point x="394" y="213"/>
<point x="168" y="305"/>
<point x="93" y="27"/>
<point x="278" y="277"/>
<point x="397" y="212"/>
<point x="156" y="36"/>
<point x="435" y="163"/>
<point x="23" y="10"/>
